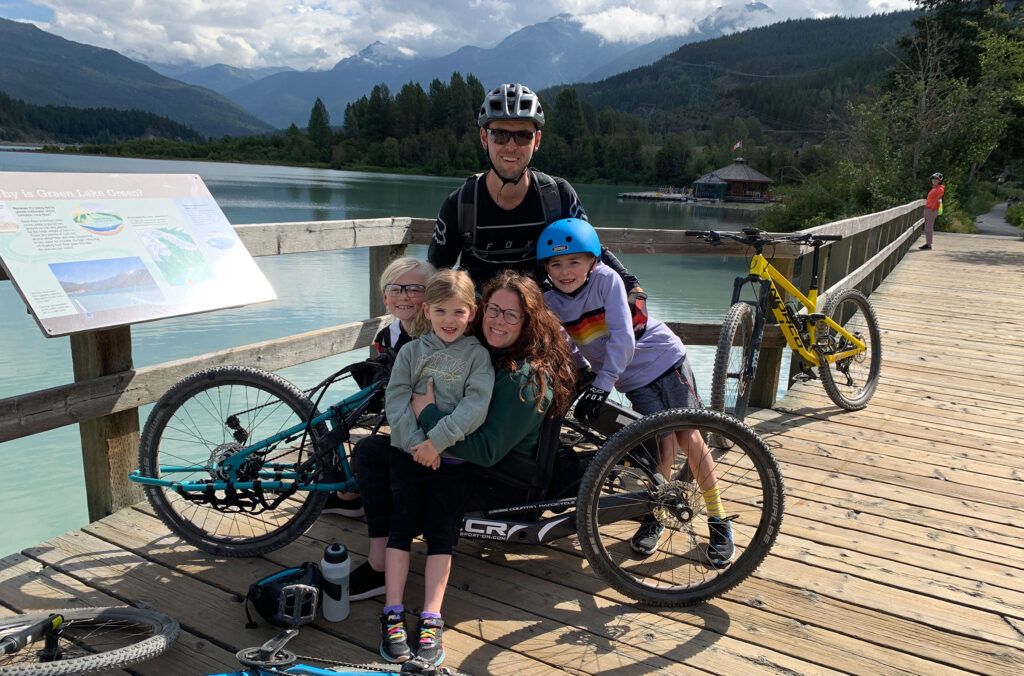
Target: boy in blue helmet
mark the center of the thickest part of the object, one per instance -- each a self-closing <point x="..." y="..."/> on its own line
<point x="650" y="368"/>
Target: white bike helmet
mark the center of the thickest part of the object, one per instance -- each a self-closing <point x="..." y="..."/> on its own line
<point x="511" y="102"/>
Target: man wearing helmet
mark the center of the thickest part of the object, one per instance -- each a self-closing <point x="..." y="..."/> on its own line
<point x="492" y="222"/>
<point x="932" y="207"/>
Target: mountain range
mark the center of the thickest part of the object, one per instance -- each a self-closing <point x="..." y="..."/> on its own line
<point x="557" y="51"/>
<point x="41" y="68"/>
<point x="740" y="73"/>
<point x="219" y="77"/>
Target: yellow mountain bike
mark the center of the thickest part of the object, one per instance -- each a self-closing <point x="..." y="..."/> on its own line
<point x="842" y="340"/>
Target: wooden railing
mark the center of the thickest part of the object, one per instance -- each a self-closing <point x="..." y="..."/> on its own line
<point x="108" y="390"/>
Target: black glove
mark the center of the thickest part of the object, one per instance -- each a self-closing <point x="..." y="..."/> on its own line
<point x="589" y="405"/>
<point x="638" y="308"/>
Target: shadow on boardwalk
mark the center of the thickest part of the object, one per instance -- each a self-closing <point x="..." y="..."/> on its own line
<point x="902" y="548"/>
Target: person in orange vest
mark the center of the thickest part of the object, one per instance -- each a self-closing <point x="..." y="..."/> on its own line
<point x="932" y="208"/>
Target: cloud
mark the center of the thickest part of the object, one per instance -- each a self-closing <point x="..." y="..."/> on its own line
<point x="318" y="33"/>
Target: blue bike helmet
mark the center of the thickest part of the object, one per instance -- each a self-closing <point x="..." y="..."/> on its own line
<point x="568" y="236"/>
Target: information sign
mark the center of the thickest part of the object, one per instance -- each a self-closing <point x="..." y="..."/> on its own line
<point x="91" y="251"/>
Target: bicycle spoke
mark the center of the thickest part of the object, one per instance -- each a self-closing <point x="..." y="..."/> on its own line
<point x="211" y="421"/>
<point x="684" y="566"/>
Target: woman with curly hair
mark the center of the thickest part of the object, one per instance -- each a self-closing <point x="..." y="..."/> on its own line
<point x="533" y="380"/>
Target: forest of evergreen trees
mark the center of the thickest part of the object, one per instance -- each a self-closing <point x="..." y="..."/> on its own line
<point x="435" y="132"/>
<point x="20" y="121"/>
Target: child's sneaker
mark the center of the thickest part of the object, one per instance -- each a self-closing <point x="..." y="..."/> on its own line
<point x="645" y="540"/>
<point x="720" y="546"/>
<point x="394" y="642"/>
<point x="428" y="645"/>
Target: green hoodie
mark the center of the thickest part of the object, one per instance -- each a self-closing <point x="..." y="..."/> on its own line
<point x="512" y="423"/>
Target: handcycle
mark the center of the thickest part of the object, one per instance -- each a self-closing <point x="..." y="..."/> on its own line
<point x="842" y="340"/>
<point x="82" y="640"/>
<point x="238" y="462"/>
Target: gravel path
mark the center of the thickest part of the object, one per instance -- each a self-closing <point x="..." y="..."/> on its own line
<point x="994" y="223"/>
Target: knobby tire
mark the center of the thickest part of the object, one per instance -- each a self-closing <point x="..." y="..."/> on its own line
<point x="92" y="639"/>
<point x="187" y="428"/>
<point x="680" y="573"/>
<point x="851" y="310"/>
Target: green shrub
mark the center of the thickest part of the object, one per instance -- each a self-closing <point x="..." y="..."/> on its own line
<point x="1015" y="214"/>
<point x="978" y="197"/>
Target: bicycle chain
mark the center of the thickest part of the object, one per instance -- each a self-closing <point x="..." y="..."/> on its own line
<point x="349" y="665"/>
<point x="385" y="669"/>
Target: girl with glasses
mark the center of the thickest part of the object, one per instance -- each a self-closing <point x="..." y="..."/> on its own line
<point x="402" y="284"/>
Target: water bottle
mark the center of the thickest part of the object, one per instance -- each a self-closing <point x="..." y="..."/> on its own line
<point x="335" y="568"/>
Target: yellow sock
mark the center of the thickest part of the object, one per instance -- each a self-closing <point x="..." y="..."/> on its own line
<point x="714" y="502"/>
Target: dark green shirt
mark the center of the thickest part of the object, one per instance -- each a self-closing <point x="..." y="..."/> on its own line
<point x="512" y="423"/>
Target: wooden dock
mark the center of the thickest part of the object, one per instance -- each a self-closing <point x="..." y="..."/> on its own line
<point x="902" y="548"/>
<point x="659" y="196"/>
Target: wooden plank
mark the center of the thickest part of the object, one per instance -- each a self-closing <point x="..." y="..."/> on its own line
<point x="904" y="517"/>
<point x="831" y="518"/>
<point x="753" y="606"/>
<point x="858" y="224"/>
<point x="707" y="333"/>
<point x="380" y="258"/>
<point x="503" y="584"/>
<point x="923" y="415"/>
<point x="110" y="442"/>
<point x="213" y="613"/>
<point x="858" y="446"/>
<point x="855" y="278"/>
<point x="47" y="409"/>
<point x="765" y="385"/>
<point x="269" y="239"/>
<point x="28" y="586"/>
<point x="145" y="535"/>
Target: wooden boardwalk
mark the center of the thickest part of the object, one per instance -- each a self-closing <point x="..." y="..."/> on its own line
<point x="902" y="548"/>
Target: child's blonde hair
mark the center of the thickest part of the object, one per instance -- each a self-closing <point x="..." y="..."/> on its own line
<point x="443" y="285"/>
<point x="400" y="266"/>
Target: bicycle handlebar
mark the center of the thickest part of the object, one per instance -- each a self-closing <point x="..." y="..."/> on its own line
<point x="755" y="237"/>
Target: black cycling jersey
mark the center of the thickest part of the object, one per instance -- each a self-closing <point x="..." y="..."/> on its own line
<point x="504" y="238"/>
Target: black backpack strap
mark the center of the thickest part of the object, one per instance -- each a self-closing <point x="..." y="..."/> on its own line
<point x="467" y="209"/>
<point x="550" y="199"/>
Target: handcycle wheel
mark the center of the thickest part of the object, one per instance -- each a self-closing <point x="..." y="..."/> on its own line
<point x="851" y="382"/>
<point x="679" y="572"/>
<point x="91" y="639"/>
<point x="730" y="388"/>
<point x="201" y="421"/>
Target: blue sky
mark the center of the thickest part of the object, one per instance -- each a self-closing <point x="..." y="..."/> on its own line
<point x="317" y="34"/>
<point x="18" y="9"/>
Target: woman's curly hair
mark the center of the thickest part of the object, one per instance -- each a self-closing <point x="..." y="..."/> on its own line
<point x="541" y="343"/>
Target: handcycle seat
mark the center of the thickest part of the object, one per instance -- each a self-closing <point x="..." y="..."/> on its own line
<point x="537" y="475"/>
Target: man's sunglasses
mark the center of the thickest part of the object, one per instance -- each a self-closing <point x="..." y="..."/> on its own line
<point x="502" y="136"/>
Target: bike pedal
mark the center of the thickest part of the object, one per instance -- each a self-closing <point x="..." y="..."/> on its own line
<point x="805" y="376"/>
